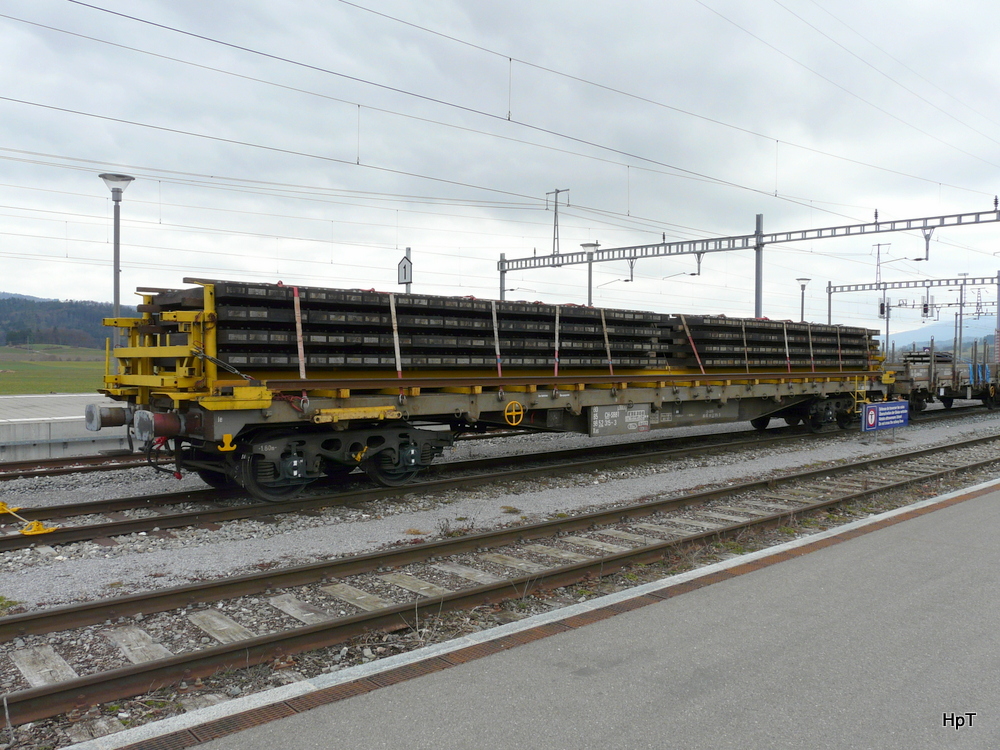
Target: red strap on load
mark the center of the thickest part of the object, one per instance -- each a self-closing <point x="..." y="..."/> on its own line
<point x="298" y="332"/>
<point x="788" y="356"/>
<point x="395" y="340"/>
<point x="812" y="359"/>
<point x="746" y="350"/>
<point x="607" y="343"/>
<point x="556" y="370"/>
<point x="496" y="338"/>
<point x="691" y="342"/>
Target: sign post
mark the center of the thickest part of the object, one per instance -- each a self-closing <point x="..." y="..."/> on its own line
<point x="404" y="271"/>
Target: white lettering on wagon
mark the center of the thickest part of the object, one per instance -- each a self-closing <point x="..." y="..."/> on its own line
<point x="619" y="419"/>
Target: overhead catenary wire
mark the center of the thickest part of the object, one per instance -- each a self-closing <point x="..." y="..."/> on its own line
<point x="612" y="89"/>
<point x="710" y="179"/>
<point x="898" y="61"/>
<point x="582" y="214"/>
<point x="634" y="222"/>
<point x="490" y="115"/>
<point x="878" y="70"/>
<point x="903" y="121"/>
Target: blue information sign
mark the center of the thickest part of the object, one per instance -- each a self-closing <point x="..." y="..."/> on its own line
<point x="885" y="415"/>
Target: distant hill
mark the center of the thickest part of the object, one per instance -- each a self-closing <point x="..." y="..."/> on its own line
<point x="944" y="333"/>
<point x="9" y="295"/>
<point x="30" y="320"/>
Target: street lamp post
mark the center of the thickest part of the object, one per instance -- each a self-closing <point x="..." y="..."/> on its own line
<point x="961" y="316"/>
<point x="589" y="248"/>
<point x="117" y="184"/>
<point x="802" y="308"/>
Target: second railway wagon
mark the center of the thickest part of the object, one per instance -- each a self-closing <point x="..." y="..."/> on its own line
<point x="922" y="377"/>
<point x="272" y="387"/>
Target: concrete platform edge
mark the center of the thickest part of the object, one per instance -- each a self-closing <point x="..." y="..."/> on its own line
<point x="138" y="736"/>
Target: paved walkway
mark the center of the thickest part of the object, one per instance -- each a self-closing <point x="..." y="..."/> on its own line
<point x="52" y="426"/>
<point x="881" y="634"/>
<point x="47" y="407"/>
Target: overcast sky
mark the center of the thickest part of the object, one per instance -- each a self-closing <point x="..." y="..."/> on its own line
<point x="312" y="142"/>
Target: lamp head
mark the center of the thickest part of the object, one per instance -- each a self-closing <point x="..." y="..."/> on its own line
<point x="116" y="182"/>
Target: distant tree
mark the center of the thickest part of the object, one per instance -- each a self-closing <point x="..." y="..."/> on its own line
<point x="19" y="337"/>
<point x="65" y="322"/>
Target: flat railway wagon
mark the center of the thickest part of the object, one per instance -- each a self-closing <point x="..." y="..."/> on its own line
<point x="923" y="377"/>
<point x="272" y="387"/>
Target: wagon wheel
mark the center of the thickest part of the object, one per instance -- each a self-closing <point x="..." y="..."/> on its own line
<point x="382" y="471"/>
<point x="845" y="419"/>
<point x="815" y="422"/>
<point x="793" y="420"/>
<point x="947" y="402"/>
<point x="760" y="423"/>
<point x="251" y="473"/>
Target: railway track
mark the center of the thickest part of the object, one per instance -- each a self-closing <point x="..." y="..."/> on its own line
<point x="83" y="464"/>
<point x="87" y="521"/>
<point x="51" y="467"/>
<point x="102" y="520"/>
<point x="116" y="460"/>
<point x="93" y="520"/>
<point x="156" y="638"/>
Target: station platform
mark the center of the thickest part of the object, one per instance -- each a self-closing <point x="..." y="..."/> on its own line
<point x="52" y="426"/>
<point x="879" y="634"/>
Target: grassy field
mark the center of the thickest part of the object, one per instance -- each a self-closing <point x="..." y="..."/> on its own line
<point x="18" y="378"/>
<point x="49" y="353"/>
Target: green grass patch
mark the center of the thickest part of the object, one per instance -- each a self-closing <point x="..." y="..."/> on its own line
<point x="17" y="378"/>
<point x="50" y="353"/>
<point x="735" y="547"/>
